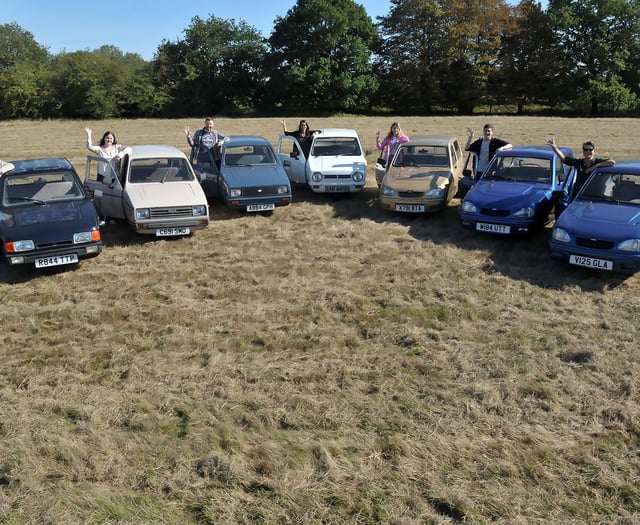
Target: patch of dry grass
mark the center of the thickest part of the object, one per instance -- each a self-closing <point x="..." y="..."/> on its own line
<point x="332" y="363"/>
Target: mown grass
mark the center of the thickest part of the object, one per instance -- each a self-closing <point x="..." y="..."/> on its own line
<point x="332" y="363"/>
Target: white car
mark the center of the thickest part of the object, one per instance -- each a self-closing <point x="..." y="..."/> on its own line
<point x="336" y="162"/>
<point x="153" y="187"/>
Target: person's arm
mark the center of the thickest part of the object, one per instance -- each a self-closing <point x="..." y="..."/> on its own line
<point x="503" y="145"/>
<point x="552" y="142"/>
<point x="187" y="132"/>
<point x="284" y="126"/>
<point x="470" y="133"/>
<point x="90" y="146"/>
<point x="600" y="163"/>
<point x="403" y="139"/>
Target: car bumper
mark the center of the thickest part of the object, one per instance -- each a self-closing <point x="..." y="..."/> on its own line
<point x="151" y="227"/>
<point x="56" y="255"/>
<point x="264" y="204"/>
<point x="597" y="260"/>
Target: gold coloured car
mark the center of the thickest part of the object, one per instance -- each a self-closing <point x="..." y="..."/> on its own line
<point x="423" y="175"/>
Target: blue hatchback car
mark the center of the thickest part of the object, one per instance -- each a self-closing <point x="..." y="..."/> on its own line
<point x="600" y="228"/>
<point x="518" y="191"/>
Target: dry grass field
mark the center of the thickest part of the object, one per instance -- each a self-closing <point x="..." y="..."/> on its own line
<point x="329" y="364"/>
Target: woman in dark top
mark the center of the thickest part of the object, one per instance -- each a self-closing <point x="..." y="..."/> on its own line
<point x="303" y="135"/>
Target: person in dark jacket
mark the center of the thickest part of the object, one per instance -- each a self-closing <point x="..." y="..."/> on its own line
<point x="485" y="148"/>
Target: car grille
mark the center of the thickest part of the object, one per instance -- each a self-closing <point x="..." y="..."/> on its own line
<point x="410" y="194"/>
<point x="594" y="243"/>
<point x="259" y="192"/>
<point x="162" y="213"/>
<point x="338" y="177"/>
<point x="494" y="213"/>
<point x="44" y="245"/>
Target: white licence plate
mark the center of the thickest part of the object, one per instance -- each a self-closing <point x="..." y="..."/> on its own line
<point x="410" y="208"/>
<point x="261" y="207"/>
<point x="590" y="262"/>
<point x="335" y="189"/>
<point x="58" y="260"/>
<point x="492" y="228"/>
<point x="172" y="232"/>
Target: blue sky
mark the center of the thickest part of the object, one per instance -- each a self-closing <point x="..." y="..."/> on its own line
<point x="73" y="25"/>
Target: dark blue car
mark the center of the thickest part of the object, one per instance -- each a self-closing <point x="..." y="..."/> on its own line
<point x="518" y="191"/>
<point x="600" y="228"/>
<point x="46" y="217"/>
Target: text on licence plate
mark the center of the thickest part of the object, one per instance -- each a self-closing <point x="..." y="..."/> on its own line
<point x="411" y="208"/>
<point x="492" y="228"/>
<point x="261" y="207"/>
<point x="170" y="232"/>
<point x="57" y="260"/>
<point x="335" y="189"/>
<point x="590" y="262"/>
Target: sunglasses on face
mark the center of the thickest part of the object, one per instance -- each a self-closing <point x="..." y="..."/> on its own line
<point x="587" y="149"/>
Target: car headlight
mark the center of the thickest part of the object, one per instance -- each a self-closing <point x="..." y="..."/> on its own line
<point x="388" y="192"/>
<point x="199" y="210"/>
<point x="630" y="245"/>
<point x="235" y="192"/>
<point x="358" y="176"/>
<point x="468" y="207"/>
<point x="560" y="235"/>
<point x="435" y="192"/>
<point x="525" y="213"/>
<point x="82" y="237"/>
<point x="316" y="177"/>
<point x="143" y="213"/>
<point x="283" y="189"/>
<point x="19" y="246"/>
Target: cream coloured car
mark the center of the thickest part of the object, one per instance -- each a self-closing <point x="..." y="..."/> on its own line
<point x="153" y="187"/>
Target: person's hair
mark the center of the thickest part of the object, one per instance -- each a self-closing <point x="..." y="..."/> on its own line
<point x="104" y="136"/>
<point x="305" y="133"/>
<point x="589" y="143"/>
<point x="208" y="119"/>
<point x="487" y="126"/>
<point x="397" y="125"/>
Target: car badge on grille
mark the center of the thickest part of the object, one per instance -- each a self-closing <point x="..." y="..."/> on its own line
<point x="259" y="190"/>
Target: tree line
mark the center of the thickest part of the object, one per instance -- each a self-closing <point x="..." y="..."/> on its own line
<point x="329" y="56"/>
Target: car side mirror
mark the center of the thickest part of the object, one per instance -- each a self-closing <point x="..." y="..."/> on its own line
<point x="293" y="155"/>
<point x="466" y="173"/>
<point x="97" y="194"/>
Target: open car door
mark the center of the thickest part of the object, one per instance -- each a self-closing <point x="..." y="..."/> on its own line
<point x="292" y="158"/>
<point x="103" y="181"/>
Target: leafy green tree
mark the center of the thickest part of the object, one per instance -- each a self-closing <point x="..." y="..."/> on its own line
<point x="441" y="52"/>
<point x="23" y="73"/>
<point x="527" y="58"/>
<point x="320" y="58"/>
<point x="594" y="36"/>
<point x="217" y="68"/>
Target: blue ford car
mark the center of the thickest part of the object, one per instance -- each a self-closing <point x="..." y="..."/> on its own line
<point x="518" y="191"/>
<point x="251" y="176"/>
<point x="600" y="228"/>
<point x="46" y="216"/>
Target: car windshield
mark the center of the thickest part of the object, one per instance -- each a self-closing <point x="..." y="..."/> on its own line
<point x="519" y="169"/>
<point x="160" y="170"/>
<point x="248" y="155"/>
<point x="621" y="188"/>
<point x="335" y="146"/>
<point x="40" y="188"/>
<point x="422" y="156"/>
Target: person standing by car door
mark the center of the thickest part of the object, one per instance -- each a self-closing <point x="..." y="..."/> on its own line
<point x="390" y="143"/>
<point x="109" y="149"/>
<point x="206" y="144"/>
<point x="303" y="135"/>
<point x="584" y="166"/>
<point x="484" y="148"/>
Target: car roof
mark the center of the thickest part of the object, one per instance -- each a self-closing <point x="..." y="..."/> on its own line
<point x="542" y="151"/>
<point x="248" y="140"/>
<point x="631" y="166"/>
<point x="431" y="140"/>
<point x="338" y="132"/>
<point x="43" y="164"/>
<point x="155" y="150"/>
